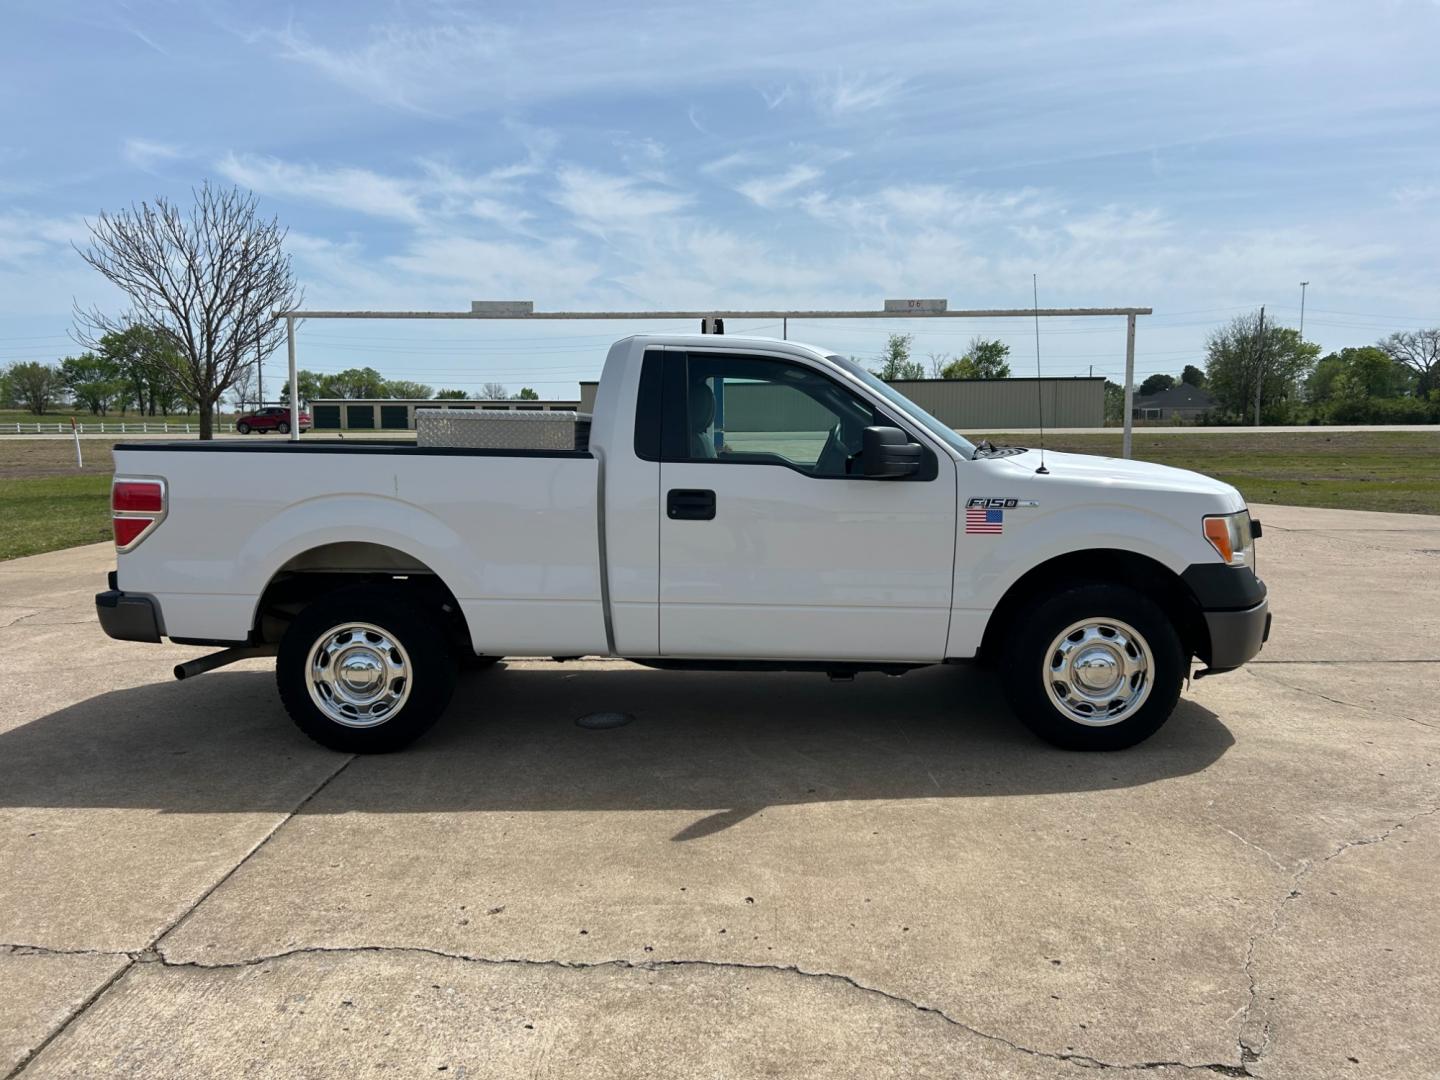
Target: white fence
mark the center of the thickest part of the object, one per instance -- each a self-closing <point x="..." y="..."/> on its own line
<point x="121" y="427"/>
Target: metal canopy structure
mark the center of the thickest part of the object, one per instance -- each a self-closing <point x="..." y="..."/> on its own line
<point x="524" y="311"/>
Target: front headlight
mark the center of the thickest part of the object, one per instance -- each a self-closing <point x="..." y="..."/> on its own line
<point x="1230" y="535"/>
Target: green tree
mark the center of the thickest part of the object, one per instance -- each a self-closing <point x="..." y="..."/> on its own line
<point x="34" y="386"/>
<point x="1418" y="350"/>
<point x="1355" y="374"/>
<point x="895" y="362"/>
<point x="363" y="382"/>
<point x="1155" y="383"/>
<point x="95" y="382"/>
<point x="1237" y="355"/>
<point x="450" y="395"/>
<point x="312" y="383"/>
<point x="1114" y="402"/>
<point x="1193" y="376"/>
<point x="149" y="364"/>
<point x="984" y="359"/>
<point x="404" y="388"/>
<point x="527" y="394"/>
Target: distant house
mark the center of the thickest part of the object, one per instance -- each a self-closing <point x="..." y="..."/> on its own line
<point x="1180" y="402"/>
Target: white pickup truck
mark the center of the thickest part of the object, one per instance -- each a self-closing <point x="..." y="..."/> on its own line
<point x="742" y="504"/>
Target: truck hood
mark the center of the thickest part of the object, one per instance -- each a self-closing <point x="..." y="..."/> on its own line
<point x="1120" y="473"/>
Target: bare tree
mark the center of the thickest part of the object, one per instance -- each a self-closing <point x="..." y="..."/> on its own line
<point x="208" y="280"/>
<point x="938" y="363"/>
<point x="493" y="391"/>
<point x="1418" y="350"/>
<point x="242" y="390"/>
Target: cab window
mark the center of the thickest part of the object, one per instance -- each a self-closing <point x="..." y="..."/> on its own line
<point x="757" y="410"/>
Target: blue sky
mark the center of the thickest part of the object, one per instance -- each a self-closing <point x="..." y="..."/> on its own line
<point x="1201" y="159"/>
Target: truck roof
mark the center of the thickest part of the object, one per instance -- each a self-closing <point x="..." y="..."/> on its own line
<point x="721" y="340"/>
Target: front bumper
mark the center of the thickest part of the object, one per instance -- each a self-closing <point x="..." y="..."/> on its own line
<point x="1236" y="636"/>
<point x="1236" y="609"/>
<point x="127" y="617"/>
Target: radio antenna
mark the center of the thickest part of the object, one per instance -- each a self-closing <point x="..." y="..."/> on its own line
<point x="1039" y="385"/>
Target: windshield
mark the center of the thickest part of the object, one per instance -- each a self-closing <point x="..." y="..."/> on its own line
<point x="946" y="435"/>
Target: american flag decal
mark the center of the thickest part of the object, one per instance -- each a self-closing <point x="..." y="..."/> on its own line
<point x="982" y="522"/>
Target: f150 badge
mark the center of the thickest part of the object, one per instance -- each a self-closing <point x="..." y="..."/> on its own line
<point x="986" y="516"/>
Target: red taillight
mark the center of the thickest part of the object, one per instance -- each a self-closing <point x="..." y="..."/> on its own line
<point x="136" y="507"/>
<point x="138" y="496"/>
<point x="127" y="530"/>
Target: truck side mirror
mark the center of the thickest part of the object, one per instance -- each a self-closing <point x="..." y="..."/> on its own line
<point x="887" y="453"/>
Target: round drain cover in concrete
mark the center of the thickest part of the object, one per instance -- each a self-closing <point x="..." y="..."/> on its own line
<point x="598" y="721"/>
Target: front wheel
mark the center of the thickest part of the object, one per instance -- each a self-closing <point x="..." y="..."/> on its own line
<point x="1095" y="667"/>
<point x="364" y="671"/>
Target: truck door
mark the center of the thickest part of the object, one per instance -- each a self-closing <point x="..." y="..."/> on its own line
<point x="772" y="544"/>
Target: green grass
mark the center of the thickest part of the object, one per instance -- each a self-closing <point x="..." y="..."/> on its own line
<point x="46" y="504"/>
<point x="45" y="513"/>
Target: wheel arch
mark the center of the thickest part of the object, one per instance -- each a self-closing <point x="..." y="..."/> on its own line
<point x="1107" y="566"/>
<point x="328" y="567"/>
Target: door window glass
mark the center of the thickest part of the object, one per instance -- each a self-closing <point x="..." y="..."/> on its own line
<point x="755" y="410"/>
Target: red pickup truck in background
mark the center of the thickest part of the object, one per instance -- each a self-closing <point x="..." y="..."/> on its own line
<point x="271" y="418"/>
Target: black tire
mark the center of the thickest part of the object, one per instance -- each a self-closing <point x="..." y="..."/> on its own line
<point x="283" y="428"/>
<point x="243" y="428"/>
<point x="401" y="616"/>
<point x="1026" y="656"/>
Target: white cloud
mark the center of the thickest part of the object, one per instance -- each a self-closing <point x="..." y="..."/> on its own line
<point x="411" y="65"/>
<point x="1415" y="194"/>
<point x="601" y="201"/>
<point x="768" y="191"/>
<point x="729" y="161"/>
<point x="348" y="188"/>
<point x="838" y="95"/>
<point x="147" y="154"/>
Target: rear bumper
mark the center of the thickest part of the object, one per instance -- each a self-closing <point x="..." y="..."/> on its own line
<point x="127" y="617"/>
<point x="1236" y="636"/>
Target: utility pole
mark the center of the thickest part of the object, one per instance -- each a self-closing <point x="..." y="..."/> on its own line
<point x="1259" y="363"/>
<point x="1302" y="309"/>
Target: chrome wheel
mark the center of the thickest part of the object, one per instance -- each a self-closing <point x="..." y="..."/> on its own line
<point x="1098" y="671"/>
<point x="358" y="675"/>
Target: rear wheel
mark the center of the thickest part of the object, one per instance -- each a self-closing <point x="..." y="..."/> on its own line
<point x="283" y="428"/>
<point x="243" y="428"/>
<point x="364" y="671"/>
<point x="1095" y="667"/>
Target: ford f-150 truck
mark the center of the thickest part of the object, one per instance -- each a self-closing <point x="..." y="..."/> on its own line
<point x="741" y="504"/>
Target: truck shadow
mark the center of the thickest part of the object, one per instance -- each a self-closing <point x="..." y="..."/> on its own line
<point x="724" y="745"/>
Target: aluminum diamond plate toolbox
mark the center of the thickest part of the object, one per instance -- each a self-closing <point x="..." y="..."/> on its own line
<point x="503" y="429"/>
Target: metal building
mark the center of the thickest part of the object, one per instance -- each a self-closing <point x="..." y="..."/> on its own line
<point x="398" y="414"/>
<point x="982" y="405"/>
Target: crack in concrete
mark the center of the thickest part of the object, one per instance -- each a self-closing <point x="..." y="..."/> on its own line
<point x="18" y="619"/>
<point x="151" y="950"/>
<point x="1254" y="1044"/>
<point x="1338" y="701"/>
<point x="1251" y="844"/>
<point x="20" y="948"/>
<point x="1081" y="1060"/>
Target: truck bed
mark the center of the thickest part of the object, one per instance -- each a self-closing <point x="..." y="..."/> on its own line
<point x="513" y="533"/>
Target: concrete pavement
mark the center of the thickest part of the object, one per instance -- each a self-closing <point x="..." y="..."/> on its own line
<point x="762" y="875"/>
